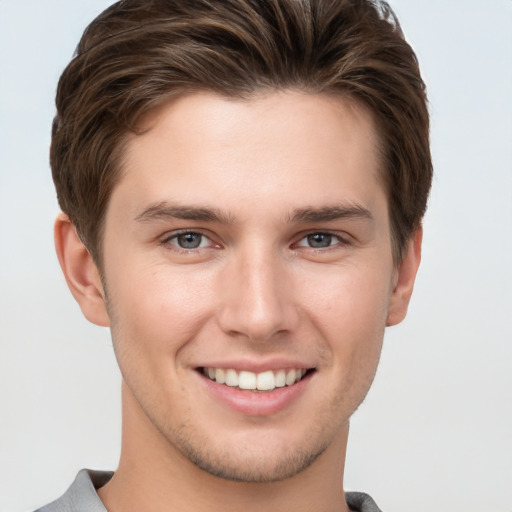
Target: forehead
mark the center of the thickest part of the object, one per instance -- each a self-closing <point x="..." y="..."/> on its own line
<point x="288" y="147"/>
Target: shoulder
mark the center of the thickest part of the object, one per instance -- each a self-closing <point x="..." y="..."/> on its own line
<point x="81" y="495"/>
<point x="361" y="502"/>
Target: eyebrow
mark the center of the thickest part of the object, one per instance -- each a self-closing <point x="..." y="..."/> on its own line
<point x="330" y="213"/>
<point x="165" y="211"/>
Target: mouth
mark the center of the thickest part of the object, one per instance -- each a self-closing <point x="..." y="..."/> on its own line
<point x="250" y="381"/>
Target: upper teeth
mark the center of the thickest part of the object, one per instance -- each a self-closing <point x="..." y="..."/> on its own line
<point x="264" y="381"/>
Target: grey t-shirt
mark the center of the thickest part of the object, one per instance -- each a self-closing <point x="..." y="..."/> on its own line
<point x="82" y="496"/>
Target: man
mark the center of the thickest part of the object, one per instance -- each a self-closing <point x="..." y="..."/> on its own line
<point x="242" y="185"/>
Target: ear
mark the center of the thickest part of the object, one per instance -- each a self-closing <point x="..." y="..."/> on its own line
<point x="80" y="272"/>
<point x="404" y="279"/>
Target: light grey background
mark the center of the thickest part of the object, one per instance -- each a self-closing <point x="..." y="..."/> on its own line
<point x="435" y="433"/>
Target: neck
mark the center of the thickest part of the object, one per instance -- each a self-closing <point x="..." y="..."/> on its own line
<point x="153" y="475"/>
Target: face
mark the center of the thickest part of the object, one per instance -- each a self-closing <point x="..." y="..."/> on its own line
<point x="249" y="275"/>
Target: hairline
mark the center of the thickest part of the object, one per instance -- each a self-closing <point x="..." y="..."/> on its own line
<point x="143" y="123"/>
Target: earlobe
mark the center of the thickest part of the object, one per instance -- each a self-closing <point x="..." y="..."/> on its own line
<point x="80" y="271"/>
<point x="406" y="275"/>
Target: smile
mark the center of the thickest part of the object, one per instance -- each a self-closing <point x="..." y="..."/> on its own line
<point x="246" y="380"/>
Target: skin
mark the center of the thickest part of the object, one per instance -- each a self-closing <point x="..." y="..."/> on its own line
<point x="295" y="269"/>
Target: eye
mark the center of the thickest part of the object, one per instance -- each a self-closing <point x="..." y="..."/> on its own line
<point x="189" y="240"/>
<point x="320" y="240"/>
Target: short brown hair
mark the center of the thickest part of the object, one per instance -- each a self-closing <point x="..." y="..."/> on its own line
<point x="138" y="53"/>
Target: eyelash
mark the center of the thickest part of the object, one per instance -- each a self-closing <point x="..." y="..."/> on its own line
<point x="341" y="241"/>
<point x="174" y="236"/>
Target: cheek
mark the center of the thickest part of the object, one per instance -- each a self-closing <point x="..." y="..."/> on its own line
<point x="354" y="288"/>
<point x="156" y="312"/>
<point x="350" y="311"/>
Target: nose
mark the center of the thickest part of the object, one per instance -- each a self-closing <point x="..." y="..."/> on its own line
<point x="256" y="297"/>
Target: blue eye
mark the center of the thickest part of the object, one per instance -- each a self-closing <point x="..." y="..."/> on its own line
<point x="189" y="240"/>
<point x="319" y="240"/>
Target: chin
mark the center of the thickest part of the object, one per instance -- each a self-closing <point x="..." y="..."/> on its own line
<point x="255" y="457"/>
<point x="250" y="468"/>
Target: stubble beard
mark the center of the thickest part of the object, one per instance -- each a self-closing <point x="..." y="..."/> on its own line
<point x="253" y="463"/>
<point x="253" y="466"/>
<point x="245" y="467"/>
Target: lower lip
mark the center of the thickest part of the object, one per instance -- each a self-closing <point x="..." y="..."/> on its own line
<point x="260" y="403"/>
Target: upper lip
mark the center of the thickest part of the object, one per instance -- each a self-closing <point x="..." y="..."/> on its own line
<point x="257" y="366"/>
